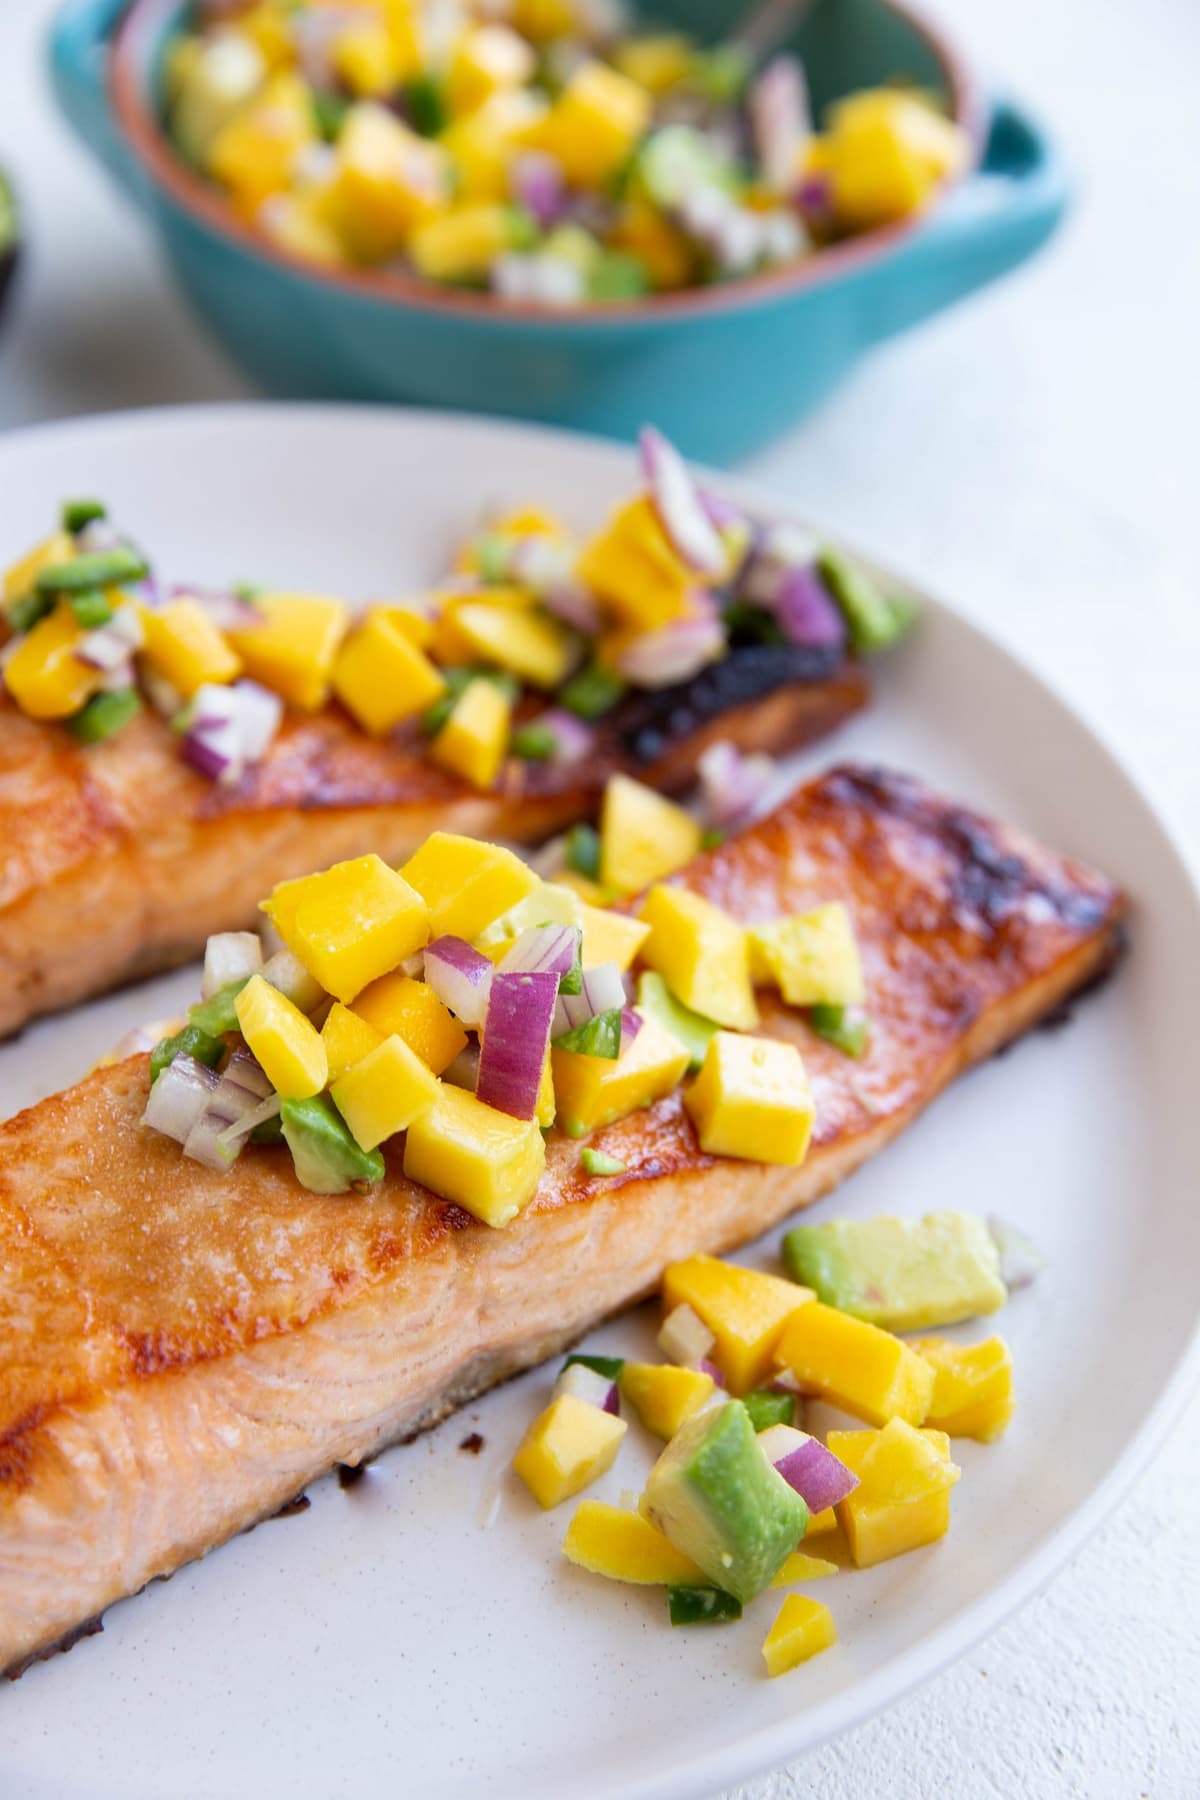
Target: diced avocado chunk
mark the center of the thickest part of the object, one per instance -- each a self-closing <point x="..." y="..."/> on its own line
<point x="327" y="1159"/>
<point x="191" y="1041"/>
<point x="701" y="1605"/>
<point x="713" y="1493"/>
<point x="847" y="1028"/>
<point x="768" y="1407"/>
<point x="97" y="569"/>
<point x="694" y="1032"/>
<point x="218" y="1013"/>
<point x="609" y="1366"/>
<point x="901" y="1274"/>
<point x="875" y="619"/>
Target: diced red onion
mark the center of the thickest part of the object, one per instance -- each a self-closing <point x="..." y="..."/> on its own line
<point x="813" y="194"/>
<point x="179" y="1096"/>
<point x="1021" y="1262"/>
<point x="806" y="610"/>
<point x="460" y="976"/>
<point x="110" y="645"/>
<point x="260" y="714"/>
<point x="589" y="1386"/>
<point x="230" y="727"/>
<point x="229" y="956"/>
<point x="708" y="1367"/>
<point x="242" y="1089"/>
<point x="215" y="751"/>
<point x="516" y="1038"/>
<point x="631" y="1024"/>
<point x="539" y="185"/>
<point x="673" y="653"/>
<point x="115" y="681"/>
<point x="228" y="612"/>
<point x="733" y="786"/>
<point x="97" y="536"/>
<point x="142" y="1038"/>
<point x="289" y="976"/>
<point x="723" y="513"/>
<point x="162" y="695"/>
<point x="684" y="1337"/>
<point x="546" y="566"/>
<point x="603" y="990"/>
<point x="537" y="277"/>
<point x="731" y="233"/>
<point x="677" y="503"/>
<point x="241" y="1128"/>
<point x="573" y="739"/>
<point x="780" y="120"/>
<point x="550" y="949"/>
<point x="463" y="1072"/>
<point x="817" y="1475"/>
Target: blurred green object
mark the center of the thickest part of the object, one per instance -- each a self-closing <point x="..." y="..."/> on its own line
<point x="10" y="236"/>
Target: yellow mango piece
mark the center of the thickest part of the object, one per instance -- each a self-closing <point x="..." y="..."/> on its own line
<point x="349" y="924"/>
<point x="411" y="621"/>
<point x="255" y="153"/>
<point x="266" y="26"/>
<point x="877" y="1525"/>
<point x="467" y="884"/>
<point x="701" y="953"/>
<point x="44" y="675"/>
<point x="384" y="1093"/>
<point x="484" y="62"/>
<point x="972" y="1386"/>
<point x="634" y="569"/>
<point x="589" y="891"/>
<point x="886" y="153"/>
<point x="820" y="1524"/>
<point x="481" y="146"/>
<point x="566" y="1448"/>
<point x="543" y="20"/>
<point x="609" y="1540"/>
<point x="381" y="677"/>
<point x="800" y="1567"/>
<point x="812" y="957"/>
<point x="646" y="232"/>
<point x="473" y="741"/>
<point x="856" y="1366"/>
<point x="610" y="937"/>
<point x="751" y="1099"/>
<point x="665" y="1396"/>
<point x="404" y="21"/>
<point x="594" y="124"/>
<point x="347" y="1039"/>
<point x="410" y="1009"/>
<point x="745" y="1310"/>
<point x="642" y="836"/>
<point x="901" y="1463"/>
<point x="299" y="223"/>
<point x="182" y="644"/>
<point x="361" y="56"/>
<point x="461" y="245"/>
<point x="547" y="1104"/>
<point x="802" y="1629"/>
<point x="292" y="647"/>
<point x="288" y="1045"/>
<point x="21" y="577"/>
<point x="595" y="1090"/>
<point x="657" y="63"/>
<point x="535" y="648"/>
<point x="480" y="1158"/>
<point x="386" y="181"/>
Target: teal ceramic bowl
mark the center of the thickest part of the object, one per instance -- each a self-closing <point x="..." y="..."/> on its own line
<point x="721" y="369"/>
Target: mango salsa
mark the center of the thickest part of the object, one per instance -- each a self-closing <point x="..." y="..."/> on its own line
<point x="537" y="649"/>
<point x="461" y="245"/>
<point x="702" y="955"/>
<point x="745" y="1310"/>
<point x="751" y="1099"/>
<point x="903" y="1502"/>
<point x="382" y="677"/>
<point x="473" y="741"/>
<point x="21" y="576"/>
<point x="801" y="1567"/>
<point x="386" y="181"/>
<point x="635" y="570"/>
<point x="610" y="937"/>
<point x="44" y="675"/>
<point x="642" y="836"/>
<point x="466" y="884"/>
<point x="482" y="1159"/>
<point x="350" y="924"/>
<point x="181" y="642"/>
<point x="972" y="1386"/>
<point x="802" y="1629"/>
<point x="398" y="1003"/>
<point x="287" y="1044"/>
<point x="292" y="647"/>
<point x="856" y="1366"/>
<point x="664" y="1396"/>
<point x="256" y="153"/>
<point x="347" y="1039"/>
<point x="812" y="957"/>
<point x="593" y="1090"/>
<point x="594" y="124"/>
<point x="566" y="1448"/>
<point x="385" y="1092"/>
<point x="610" y="1541"/>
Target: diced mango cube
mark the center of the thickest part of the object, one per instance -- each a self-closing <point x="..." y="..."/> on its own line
<point x="701" y="953"/>
<point x="44" y="675"/>
<point x="802" y="1629"/>
<point x="287" y="1044"/>
<point x="594" y="124"/>
<point x="812" y="957"/>
<point x="856" y="1366"/>
<point x="665" y="1396"/>
<point x="657" y="63"/>
<point x="292" y="647"/>
<point x="745" y="1310"/>
<point x="535" y="648"/>
<point x="609" y="1540"/>
<point x="611" y="937"/>
<point x="410" y="1009"/>
<point x="482" y="1159"/>
<point x="21" y="577"/>
<point x="384" y="1093"/>
<point x="486" y="61"/>
<point x="381" y="677"/>
<point x="635" y="570"/>
<point x="481" y="155"/>
<point x="466" y="884"/>
<point x="461" y="245"/>
<point x="255" y="153"/>
<point x="547" y="1104"/>
<point x="473" y="741"/>
<point x="299" y="223"/>
<point x="350" y="924"/>
<point x="642" y="836"/>
<point x="878" y="1521"/>
<point x="594" y="1090"/>
<point x="821" y="1523"/>
<point x="972" y="1386"/>
<point x="182" y="644"/>
<point x="646" y="232"/>
<point x="347" y="1039"/>
<point x="361" y="57"/>
<point x="412" y="621"/>
<point x="800" y="1567"/>
<point x="886" y="152"/>
<point x="386" y="181"/>
<point x="566" y="1448"/>
<point x="752" y="1099"/>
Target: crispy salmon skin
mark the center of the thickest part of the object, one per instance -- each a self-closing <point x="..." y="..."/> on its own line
<point x="180" y="1351"/>
<point x="117" y="860"/>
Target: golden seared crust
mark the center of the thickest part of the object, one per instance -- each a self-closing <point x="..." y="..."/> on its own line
<point x="120" y="860"/>
<point x="229" y="1338"/>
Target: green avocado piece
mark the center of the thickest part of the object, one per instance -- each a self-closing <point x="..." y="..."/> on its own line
<point x="701" y="1605"/>
<point x="875" y="620"/>
<point x="610" y="1366"/>
<point x="188" y="1042"/>
<point x="713" y="1493"/>
<point x="94" y="569"/>
<point x="219" y="1012"/>
<point x="327" y="1159"/>
<point x="767" y="1407"/>
<point x="688" y="1028"/>
<point x="902" y="1274"/>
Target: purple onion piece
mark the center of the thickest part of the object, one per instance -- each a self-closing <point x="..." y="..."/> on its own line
<point x="733" y="786"/>
<point x="539" y="185"/>
<point x="215" y="751"/>
<point x="677" y="503"/>
<point x="673" y="653"/>
<point x="589" y="1386"/>
<point x="805" y="609"/>
<point x="631" y="1024"/>
<point x="573" y="739"/>
<point x="515" y="1041"/>
<point x="780" y="120"/>
<point x="461" y="977"/>
<point x="179" y="1096"/>
<point x="710" y="1368"/>
<point x="819" y="1477"/>
<point x="552" y="949"/>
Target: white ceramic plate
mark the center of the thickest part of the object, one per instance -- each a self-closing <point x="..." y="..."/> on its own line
<point x="418" y="1634"/>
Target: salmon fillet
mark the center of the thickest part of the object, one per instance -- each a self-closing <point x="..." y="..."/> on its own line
<point x="119" y="860"/>
<point x="181" y="1352"/>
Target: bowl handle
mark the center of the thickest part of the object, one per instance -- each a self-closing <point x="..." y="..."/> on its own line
<point x="988" y="225"/>
<point x="78" y="46"/>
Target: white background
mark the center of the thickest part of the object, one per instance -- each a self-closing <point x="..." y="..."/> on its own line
<point x="1035" y="458"/>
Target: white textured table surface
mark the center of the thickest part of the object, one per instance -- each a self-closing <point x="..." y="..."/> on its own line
<point x="1035" y="457"/>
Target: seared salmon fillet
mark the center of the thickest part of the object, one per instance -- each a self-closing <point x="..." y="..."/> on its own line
<point x="118" y="860"/>
<point x="181" y="1352"/>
